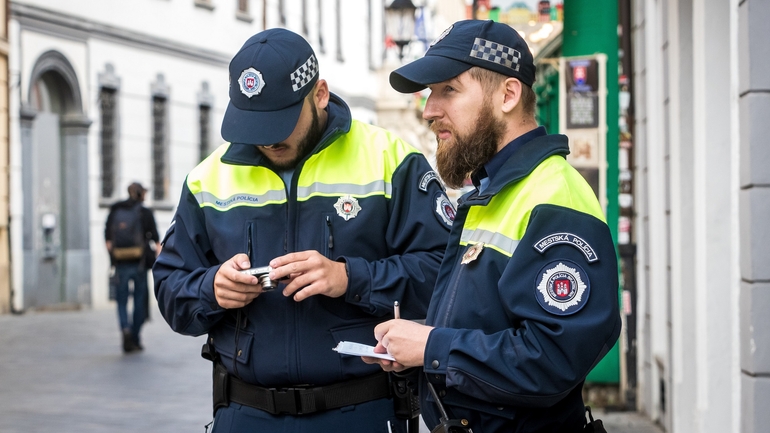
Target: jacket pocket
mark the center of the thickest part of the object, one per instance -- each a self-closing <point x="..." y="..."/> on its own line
<point x="361" y="332"/>
<point x="228" y="348"/>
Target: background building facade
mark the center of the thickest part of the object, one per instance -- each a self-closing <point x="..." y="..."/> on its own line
<point x="5" y="258"/>
<point x="702" y="104"/>
<point x="106" y="92"/>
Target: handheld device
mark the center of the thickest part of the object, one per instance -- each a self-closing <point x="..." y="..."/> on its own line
<point x="262" y="273"/>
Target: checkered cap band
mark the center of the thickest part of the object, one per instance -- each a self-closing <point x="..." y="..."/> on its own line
<point x="304" y="74"/>
<point x="496" y="53"/>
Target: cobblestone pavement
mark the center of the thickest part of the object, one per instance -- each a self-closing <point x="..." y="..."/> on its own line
<point x="64" y="372"/>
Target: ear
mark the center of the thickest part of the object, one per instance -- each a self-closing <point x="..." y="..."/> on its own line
<point x="321" y="95"/>
<point x="512" y="94"/>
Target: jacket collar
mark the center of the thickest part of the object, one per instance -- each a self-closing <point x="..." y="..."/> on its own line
<point x="522" y="163"/>
<point x="337" y="123"/>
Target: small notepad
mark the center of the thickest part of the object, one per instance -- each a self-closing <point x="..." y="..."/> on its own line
<point x="358" y="349"/>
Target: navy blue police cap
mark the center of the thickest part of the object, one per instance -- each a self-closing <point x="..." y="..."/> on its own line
<point x="486" y="44"/>
<point x="269" y="79"/>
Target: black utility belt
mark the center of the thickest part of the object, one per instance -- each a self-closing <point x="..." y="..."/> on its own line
<point x="298" y="400"/>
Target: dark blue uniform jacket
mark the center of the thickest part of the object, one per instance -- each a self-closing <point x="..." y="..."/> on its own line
<point x="526" y="301"/>
<point x="392" y="248"/>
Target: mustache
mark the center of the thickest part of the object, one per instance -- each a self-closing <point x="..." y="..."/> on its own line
<point x="436" y="126"/>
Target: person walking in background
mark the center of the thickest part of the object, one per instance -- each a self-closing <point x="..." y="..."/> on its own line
<point x="352" y="216"/>
<point x="129" y="229"/>
<point x="526" y="302"/>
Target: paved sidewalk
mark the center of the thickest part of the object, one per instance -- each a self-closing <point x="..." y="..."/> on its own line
<point x="65" y="372"/>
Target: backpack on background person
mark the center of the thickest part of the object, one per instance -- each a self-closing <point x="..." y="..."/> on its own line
<point x="128" y="238"/>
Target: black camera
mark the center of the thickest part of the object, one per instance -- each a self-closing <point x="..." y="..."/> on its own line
<point x="262" y="274"/>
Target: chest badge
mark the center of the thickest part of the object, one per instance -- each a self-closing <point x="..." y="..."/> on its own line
<point x="472" y="253"/>
<point x="347" y="207"/>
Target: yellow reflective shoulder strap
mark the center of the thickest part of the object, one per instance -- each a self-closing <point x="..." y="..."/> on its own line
<point x="503" y="221"/>
<point x="223" y="186"/>
<point x="360" y="163"/>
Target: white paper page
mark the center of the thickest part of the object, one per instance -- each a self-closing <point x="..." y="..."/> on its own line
<point x="358" y="349"/>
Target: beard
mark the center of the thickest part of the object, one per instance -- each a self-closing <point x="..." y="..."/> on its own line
<point x="461" y="155"/>
<point x="306" y="145"/>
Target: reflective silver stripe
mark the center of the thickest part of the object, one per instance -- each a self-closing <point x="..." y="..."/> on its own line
<point x="498" y="241"/>
<point x="344" y="188"/>
<point x="240" y="199"/>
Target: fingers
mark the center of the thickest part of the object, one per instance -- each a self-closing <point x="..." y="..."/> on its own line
<point x="284" y="266"/>
<point x="382" y="329"/>
<point x="385" y="364"/>
<point x="310" y="274"/>
<point x="404" y="340"/>
<point x="232" y="289"/>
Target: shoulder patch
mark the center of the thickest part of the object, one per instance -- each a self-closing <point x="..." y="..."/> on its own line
<point x="562" y="287"/>
<point x="428" y="178"/>
<point x="569" y="239"/>
<point x="444" y="209"/>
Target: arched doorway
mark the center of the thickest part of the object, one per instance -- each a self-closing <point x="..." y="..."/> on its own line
<point x="57" y="261"/>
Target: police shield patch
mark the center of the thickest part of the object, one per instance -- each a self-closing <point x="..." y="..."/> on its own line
<point x="562" y="288"/>
<point x="251" y="82"/>
<point x="444" y="210"/>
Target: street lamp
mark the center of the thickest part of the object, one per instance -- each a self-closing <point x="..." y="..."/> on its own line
<point x="399" y="23"/>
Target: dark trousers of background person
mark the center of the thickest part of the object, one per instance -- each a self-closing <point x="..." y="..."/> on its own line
<point x="125" y="272"/>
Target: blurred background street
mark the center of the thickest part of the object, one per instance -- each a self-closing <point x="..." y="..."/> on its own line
<point x="64" y="371"/>
<point x="665" y="104"/>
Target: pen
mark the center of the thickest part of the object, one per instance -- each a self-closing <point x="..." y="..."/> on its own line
<point x="396" y="310"/>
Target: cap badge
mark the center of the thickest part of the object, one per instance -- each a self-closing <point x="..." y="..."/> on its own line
<point x="442" y="35"/>
<point x="347" y="207"/>
<point x="561" y="288"/>
<point x="472" y="253"/>
<point x="251" y="82"/>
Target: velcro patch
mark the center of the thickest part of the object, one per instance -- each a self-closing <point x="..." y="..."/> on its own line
<point x="562" y="287"/>
<point x="428" y="178"/>
<point x="569" y="239"/>
<point x="444" y="209"/>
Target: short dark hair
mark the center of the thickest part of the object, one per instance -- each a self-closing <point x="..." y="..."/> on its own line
<point x="490" y="79"/>
<point x="136" y="190"/>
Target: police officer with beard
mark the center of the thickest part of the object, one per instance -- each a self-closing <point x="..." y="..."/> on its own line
<point x="526" y="302"/>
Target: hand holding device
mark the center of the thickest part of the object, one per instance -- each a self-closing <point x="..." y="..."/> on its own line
<point x="262" y="274"/>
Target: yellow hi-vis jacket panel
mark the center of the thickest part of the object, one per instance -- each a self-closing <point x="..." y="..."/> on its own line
<point x="502" y="223"/>
<point x="344" y="167"/>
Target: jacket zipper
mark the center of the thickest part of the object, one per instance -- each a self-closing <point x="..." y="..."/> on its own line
<point x="248" y="244"/>
<point x="331" y="236"/>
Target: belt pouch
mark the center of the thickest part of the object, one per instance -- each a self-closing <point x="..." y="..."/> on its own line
<point x="405" y="402"/>
<point x="220" y="386"/>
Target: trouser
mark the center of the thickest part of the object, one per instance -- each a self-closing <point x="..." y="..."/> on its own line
<point x="374" y="416"/>
<point x="131" y="271"/>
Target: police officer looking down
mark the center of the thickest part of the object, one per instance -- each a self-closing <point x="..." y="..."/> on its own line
<point x="526" y="300"/>
<point x="354" y="219"/>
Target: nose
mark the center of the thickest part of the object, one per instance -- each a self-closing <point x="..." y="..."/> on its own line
<point x="431" y="111"/>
